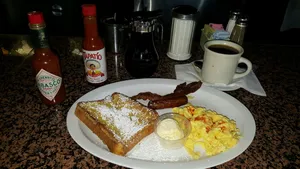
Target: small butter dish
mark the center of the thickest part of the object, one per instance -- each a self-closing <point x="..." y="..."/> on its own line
<point x="172" y="129"/>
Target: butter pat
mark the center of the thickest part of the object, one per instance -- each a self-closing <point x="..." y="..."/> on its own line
<point x="172" y="130"/>
<point x="169" y="129"/>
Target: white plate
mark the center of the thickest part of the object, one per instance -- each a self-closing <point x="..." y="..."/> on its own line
<point x="205" y="96"/>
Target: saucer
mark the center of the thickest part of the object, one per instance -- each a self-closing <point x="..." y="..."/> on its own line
<point x="219" y="86"/>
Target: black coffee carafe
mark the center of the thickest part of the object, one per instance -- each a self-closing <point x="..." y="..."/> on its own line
<point x="141" y="56"/>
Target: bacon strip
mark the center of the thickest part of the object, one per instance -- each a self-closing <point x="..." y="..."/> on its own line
<point x="168" y="103"/>
<point x="175" y="99"/>
<point x="146" y="96"/>
<point x="187" y="89"/>
<point x="180" y="87"/>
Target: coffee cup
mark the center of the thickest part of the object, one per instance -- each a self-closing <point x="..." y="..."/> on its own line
<point x="220" y="62"/>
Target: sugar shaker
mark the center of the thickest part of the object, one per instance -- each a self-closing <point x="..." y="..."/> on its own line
<point x="182" y="32"/>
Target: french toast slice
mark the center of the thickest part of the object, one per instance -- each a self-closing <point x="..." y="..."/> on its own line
<point x="118" y="121"/>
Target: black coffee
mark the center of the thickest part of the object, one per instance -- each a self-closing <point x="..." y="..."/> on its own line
<point x="223" y="49"/>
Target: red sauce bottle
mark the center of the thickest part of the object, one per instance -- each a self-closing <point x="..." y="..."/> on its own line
<point x="93" y="48"/>
<point x="45" y="63"/>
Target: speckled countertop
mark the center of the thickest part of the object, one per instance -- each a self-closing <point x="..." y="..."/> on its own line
<point x="34" y="135"/>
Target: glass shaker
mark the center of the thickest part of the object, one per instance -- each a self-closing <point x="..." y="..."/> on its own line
<point x="239" y="29"/>
<point x="182" y="32"/>
<point x="141" y="57"/>
<point x="232" y="20"/>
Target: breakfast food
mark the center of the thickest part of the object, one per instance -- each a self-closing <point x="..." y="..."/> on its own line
<point x="211" y="131"/>
<point x="168" y="102"/>
<point x="146" y="96"/>
<point x="172" y="130"/>
<point x="118" y="121"/>
<point x="176" y="98"/>
<point x="188" y="88"/>
<point x="169" y="129"/>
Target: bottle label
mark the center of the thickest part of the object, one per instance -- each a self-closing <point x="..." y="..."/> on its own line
<point x="48" y="84"/>
<point x="95" y="65"/>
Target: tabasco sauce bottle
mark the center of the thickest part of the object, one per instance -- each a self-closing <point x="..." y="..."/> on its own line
<point x="93" y="48"/>
<point x="45" y="63"/>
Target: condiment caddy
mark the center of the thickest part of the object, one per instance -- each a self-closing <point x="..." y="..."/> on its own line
<point x="234" y="31"/>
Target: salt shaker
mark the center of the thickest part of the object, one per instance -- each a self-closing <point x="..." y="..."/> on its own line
<point x="232" y="20"/>
<point x="239" y="29"/>
<point x="182" y="32"/>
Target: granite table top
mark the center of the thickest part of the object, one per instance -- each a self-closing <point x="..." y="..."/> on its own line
<point x="34" y="135"/>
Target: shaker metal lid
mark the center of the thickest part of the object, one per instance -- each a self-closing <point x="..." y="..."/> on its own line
<point x="242" y="20"/>
<point x="184" y="12"/>
<point x="235" y="12"/>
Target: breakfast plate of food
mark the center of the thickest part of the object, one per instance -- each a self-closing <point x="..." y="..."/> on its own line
<point x="161" y="123"/>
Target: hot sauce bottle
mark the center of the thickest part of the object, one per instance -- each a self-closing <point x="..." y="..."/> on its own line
<point x="93" y="48"/>
<point x="45" y="63"/>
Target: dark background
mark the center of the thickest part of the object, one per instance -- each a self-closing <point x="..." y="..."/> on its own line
<point x="264" y="25"/>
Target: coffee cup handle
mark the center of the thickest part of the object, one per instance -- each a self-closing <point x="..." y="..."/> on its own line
<point x="249" y="68"/>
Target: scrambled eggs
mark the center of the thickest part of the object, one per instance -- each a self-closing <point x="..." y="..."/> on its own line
<point x="213" y="132"/>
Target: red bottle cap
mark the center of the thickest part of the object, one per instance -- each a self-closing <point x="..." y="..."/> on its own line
<point x="35" y="17"/>
<point x="89" y="10"/>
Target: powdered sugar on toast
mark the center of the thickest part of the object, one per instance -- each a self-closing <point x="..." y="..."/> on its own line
<point x="121" y="115"/>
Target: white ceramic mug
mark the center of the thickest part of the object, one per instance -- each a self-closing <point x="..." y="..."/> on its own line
<point x="220" y="67"/>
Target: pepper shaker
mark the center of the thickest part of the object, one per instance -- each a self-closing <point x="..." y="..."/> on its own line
<point x="239" y="29"/>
